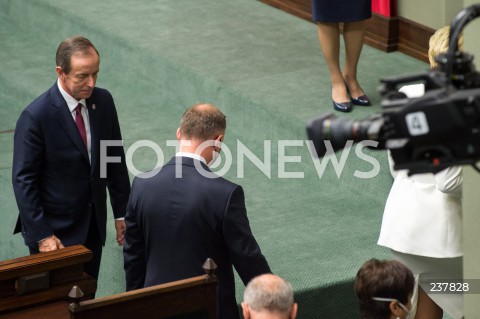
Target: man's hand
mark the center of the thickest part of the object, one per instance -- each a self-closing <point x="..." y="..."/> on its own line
<point x="49" y="244"/>
<point x="120" y="226"/>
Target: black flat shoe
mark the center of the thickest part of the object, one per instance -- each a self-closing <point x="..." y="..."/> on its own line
<point x="361" y="100"/>
<point x="343" y="107"/>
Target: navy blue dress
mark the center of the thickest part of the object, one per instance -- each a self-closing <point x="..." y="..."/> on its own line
<point x="341" y="10"/>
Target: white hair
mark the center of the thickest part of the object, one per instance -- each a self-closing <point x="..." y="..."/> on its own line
<point x="269" y="293"/>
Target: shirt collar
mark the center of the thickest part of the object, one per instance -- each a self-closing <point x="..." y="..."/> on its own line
<point x="192" y="155"/>
<point x="71" y="101"/>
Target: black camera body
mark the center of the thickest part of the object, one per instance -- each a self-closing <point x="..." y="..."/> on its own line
<point x="424" y="134"/>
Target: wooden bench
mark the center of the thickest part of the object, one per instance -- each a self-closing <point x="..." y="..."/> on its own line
<point x="197" y="295"/>
<point x="40" y="286"/>
<point x="40" y="283"/>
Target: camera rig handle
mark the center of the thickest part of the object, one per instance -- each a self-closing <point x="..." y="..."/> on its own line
<point x="456" y="27"/>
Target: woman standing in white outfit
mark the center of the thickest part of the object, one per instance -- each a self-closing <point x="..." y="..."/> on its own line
<point x="422" y="224"/>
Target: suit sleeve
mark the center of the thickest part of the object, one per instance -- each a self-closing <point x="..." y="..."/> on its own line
<point x="134" y="247"/>
<point x="118" y="181"/>
<point x="450" y="181"/>
<point x="243" y="249"/>
<point x="28" y="153"/>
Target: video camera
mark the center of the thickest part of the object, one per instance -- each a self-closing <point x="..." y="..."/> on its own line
<point x="424" y="134"/>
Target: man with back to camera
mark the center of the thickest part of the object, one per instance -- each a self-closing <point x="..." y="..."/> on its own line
<point x="181" y="214"/>
<point x="60" y="194"/>
<point x="269" y="297"/>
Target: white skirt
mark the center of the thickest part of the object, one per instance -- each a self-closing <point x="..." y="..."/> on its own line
<point x="432" y="270"/>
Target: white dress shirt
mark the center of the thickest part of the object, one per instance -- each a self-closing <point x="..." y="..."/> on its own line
<point x="72" y="104"/>
<point x="192" y="155"/>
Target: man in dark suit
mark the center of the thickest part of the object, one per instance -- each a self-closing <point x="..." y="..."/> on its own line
<point x="181" y="214"/>
<point x="57" y="163"/>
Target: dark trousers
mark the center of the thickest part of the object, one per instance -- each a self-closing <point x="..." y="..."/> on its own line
<point x="93" y="243"/>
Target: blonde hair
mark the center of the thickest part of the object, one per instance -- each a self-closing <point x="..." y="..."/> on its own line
<point x="438" y="44"/>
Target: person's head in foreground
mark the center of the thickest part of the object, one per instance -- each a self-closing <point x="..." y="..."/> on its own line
<point x="268" y="297"/>
<point x="384" y="289"/>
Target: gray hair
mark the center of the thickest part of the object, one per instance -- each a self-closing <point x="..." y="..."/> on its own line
<point x="269" y="293"/>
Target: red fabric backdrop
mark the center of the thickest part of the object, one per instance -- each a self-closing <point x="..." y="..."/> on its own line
<point x="386" y="8"/>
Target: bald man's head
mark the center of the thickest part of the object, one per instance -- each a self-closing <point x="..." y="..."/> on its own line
<point x="269" y="294"/>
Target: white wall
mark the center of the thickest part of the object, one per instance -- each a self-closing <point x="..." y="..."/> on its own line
<point x="471" y="211"/>
<point x="431" y="13"/>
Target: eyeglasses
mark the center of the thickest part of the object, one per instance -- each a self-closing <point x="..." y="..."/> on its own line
<point x="392" y="299"/>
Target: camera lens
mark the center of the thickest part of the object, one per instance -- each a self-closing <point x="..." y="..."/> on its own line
<point x="338" y="131"/>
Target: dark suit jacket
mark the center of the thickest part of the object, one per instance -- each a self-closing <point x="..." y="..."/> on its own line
<point x="54" y="183"/>
<point x="175" y="224"/>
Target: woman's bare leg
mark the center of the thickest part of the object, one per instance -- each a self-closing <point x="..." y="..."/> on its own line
<point x="353" y="35"/>
<point x="329" y="38"/>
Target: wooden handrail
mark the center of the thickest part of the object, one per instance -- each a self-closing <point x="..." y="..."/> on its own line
<point x="26" y="282"/>
<point x="192" y="295"/>
<point x="28" y="265"/>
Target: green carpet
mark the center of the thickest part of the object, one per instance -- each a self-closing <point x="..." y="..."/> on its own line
<point x="264" y="69"/>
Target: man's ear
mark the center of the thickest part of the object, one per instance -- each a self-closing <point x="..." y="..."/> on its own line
<point x="246" y="313"/>
<point x="178" y="134"/>
<point x="60" y="72"/>
<point x="293" y="313"/>
<point x="395" y="309"/>
<point x="218" y="141"/>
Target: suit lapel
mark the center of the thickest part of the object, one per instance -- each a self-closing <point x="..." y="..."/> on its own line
<point x="66" y="120"/>
<point x="94" y="131"/>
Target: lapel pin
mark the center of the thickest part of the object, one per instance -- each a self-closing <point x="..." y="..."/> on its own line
<point x="94" y="107"/>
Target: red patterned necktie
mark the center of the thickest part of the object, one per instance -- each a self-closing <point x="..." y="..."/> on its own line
<point x="81" y="124"/>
